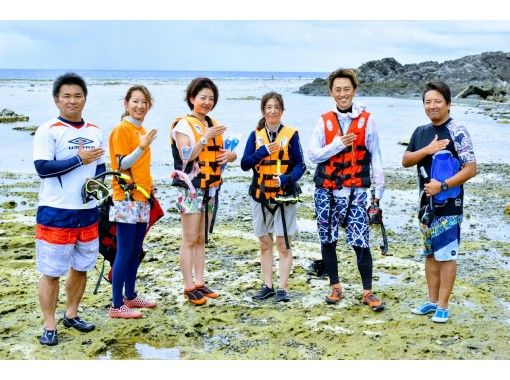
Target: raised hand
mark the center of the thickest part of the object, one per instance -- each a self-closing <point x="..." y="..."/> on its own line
<point x="226" y="156"/>
<point x="147" y="139"/>
<point x="348" y="139"/>
<point x="273" y="147"/>
<point x="214" y="131"/>
<point x="89" y="155"/>
<point x="436" y="145"/>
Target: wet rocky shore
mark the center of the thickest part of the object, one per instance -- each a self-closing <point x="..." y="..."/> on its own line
<point x="234" y="326"/>
<point x="481" y="80"/>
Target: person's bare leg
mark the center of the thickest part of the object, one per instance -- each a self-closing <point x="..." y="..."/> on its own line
<point x="199" y="253"/>
<point x="266" y="259"/>
<point x="448" y="274"/>
<point x="48" y="298"/>
<point x="75" y="287"/>
<point x="190" y="224"/>
<point x="285" y="261"/>
<point x="433" y="277"/>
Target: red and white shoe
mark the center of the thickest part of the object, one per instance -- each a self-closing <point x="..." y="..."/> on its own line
<point x="124" y="312"/>
<point x="138" y="302"/>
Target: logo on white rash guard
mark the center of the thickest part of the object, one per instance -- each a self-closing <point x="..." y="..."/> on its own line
<point x="83" y="141"/>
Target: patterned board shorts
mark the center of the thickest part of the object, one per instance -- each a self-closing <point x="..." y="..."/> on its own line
<point x="188" y="204"/>
<point x="58" y="249"/>
<point x="131" y="212"/>
<point x="357" y="227"/>
<point x="442" y="239"/>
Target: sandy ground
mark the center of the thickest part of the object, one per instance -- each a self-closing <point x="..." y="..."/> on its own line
<point x="235" y="327"/>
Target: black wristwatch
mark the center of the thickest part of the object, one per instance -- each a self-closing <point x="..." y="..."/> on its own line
<point x="444" y="186"/>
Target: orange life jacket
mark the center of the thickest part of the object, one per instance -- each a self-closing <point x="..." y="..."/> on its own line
<point x="210" y="169"/>
<point x="351" y="166"/>
<point x="277" y="163"/>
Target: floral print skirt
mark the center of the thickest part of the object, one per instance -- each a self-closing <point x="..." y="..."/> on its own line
<point x="131" y="212"/>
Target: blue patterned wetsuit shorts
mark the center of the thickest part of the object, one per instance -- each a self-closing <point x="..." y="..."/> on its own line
<point x="328" y="225"/>
<point x="442" y="239"/>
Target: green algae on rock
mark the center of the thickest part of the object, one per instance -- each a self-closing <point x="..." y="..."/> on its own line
<point x="236" y="327"/>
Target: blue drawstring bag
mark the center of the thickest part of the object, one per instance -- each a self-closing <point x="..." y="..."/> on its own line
<point x="444" y="166"/>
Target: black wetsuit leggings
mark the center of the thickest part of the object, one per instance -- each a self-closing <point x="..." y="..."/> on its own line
<point x="364" y="261"/>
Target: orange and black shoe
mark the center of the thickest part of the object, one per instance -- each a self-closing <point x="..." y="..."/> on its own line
<point x="195" y="296"/>
<point x="335" y="296"/>
<point x="371" y="300"/>
<point x="206" y="291"/>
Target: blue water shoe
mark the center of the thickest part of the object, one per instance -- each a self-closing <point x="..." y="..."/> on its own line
<point x="426" y="308"/>
<point x="441" y="315"/>
<point x="49" y="338"/>
<point x="78" y="323"/>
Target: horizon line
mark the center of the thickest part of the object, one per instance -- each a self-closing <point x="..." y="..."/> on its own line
<point x="180" y="70"/>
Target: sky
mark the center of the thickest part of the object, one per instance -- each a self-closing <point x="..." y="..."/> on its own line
<point x="233" y="45"/>
<point x="263" y="36"/>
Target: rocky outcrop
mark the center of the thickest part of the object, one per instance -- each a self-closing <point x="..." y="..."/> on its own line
<point x="493" y="93"/>
<point x="489" y="72"/>
<point x="9" y="116"/>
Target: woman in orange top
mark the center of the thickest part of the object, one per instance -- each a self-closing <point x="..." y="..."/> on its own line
<point x="130" y="154"/>
<point x="197" y="139"/>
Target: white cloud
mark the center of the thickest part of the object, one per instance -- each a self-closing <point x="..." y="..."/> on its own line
<point x="242" y="45"/>
<point x="11" y="42"/>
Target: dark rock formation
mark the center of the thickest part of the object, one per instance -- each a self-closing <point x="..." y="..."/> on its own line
<point x="493" y="93"/>
<point x="489" y="72"/>
<point x="9" y="116"/>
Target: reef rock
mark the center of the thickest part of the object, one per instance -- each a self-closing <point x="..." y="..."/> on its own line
<point x="9" y="116"/>
<point x="489" y="72"/>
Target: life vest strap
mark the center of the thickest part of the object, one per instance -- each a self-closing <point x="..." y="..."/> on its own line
<point x="212" y="148"/>
<point x="212" y="164"/>
<point x="210" y="180"/>
<point x="342" y="165"/>
<point x="334" y="177"/>
<point x="284" y="223"/>
<point x="267" y="189"/>
<point x="274" y="162"/>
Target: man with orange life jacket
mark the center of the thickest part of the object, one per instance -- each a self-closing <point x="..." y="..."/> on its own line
<point x="273" y="152"/>
<point x="345" y="147"/>
<point x="198" y="139"/>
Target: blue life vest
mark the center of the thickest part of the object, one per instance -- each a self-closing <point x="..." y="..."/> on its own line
<point x="444" y="166"/>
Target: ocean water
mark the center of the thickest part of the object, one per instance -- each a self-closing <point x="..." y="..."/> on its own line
<point x="28" y="92"/>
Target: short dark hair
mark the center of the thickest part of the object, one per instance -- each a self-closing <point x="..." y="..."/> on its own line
<point x="440" y="87"/>
<point x="343" y="73"/>
<point x="69" y="78"/>
<point x="197" y="85"/>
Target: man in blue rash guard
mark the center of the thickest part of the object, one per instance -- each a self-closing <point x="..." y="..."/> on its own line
<point x="441" y="238"/>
